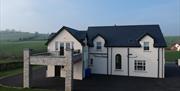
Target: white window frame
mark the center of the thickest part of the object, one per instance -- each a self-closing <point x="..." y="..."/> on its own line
<point x="146" y="46"/>
<point x="56" y="46"/>
<point x="139" y="65"/>
<point x="99" y="45"/>
<point x="68" y="47"/>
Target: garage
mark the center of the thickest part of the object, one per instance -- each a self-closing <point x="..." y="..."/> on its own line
<point x="95" y="67"/>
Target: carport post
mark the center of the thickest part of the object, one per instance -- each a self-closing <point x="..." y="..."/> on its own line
<point x="27" y="69"/>
<point x="69" y="71"/>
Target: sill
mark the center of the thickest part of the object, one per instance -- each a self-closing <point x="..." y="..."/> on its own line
<point x="147" y="51"/>
<point x="98" y="49"/>
<point x="118" y="70"/>
<point x="90" y="65"/>
<point x="140" y="71"/>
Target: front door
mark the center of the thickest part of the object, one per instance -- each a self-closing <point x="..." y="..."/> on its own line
<point x="57" y="71"/>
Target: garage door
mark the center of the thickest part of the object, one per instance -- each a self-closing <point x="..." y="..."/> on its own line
<point x="99" y="65"/>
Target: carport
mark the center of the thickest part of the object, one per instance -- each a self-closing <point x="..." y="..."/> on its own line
<point x="48" y="59"/>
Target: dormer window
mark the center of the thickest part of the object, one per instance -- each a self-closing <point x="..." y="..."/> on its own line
<point x="98" y="45"/>
<point x="146" y="45"/>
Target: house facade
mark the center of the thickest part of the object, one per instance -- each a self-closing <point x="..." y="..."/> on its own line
<point x="133" y="50"/>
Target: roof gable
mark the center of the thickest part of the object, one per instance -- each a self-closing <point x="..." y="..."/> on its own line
<point x="78" y="35"/>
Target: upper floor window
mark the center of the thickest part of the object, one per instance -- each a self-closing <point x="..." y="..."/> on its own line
<point x="98" y="46"/>
<point x="68" y="45"/>
<point x="56" y="45"/>
<point x="146" y="45"/>
<point x="61" y="48"/>
<point x="118" y="61"/>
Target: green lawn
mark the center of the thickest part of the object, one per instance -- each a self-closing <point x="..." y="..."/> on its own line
<point x="12" y="72"/>
<point x="14" y="50"/>
<point x="172" y="55"/>
<point x="16" y="71"/>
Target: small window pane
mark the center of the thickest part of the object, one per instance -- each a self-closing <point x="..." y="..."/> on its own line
<point x="118" y="61"/>
<point x="140" y="65"/>
<point x="68" y="46"/>
<point x="91" y="61"/>
<point x="98" y="45"/>
<point x="61" y="48"/>
<point x="56" y="45"/>
<point x="146" y="45"/>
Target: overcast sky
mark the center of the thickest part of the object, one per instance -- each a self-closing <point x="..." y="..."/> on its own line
<point x="48" y="16"/>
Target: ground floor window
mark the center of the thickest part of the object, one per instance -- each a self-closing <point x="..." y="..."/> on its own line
<point x="140" y="65"/>
<point x="118" y="61"/>
<point x="91" y="62"/>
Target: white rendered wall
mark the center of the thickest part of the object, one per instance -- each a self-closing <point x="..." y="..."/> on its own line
<point x="50" y="71"/>
<point x="64" y="36"/>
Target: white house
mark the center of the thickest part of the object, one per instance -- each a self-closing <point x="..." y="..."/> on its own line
<point x="132" y="50"/>
<point x="175" y="47"/>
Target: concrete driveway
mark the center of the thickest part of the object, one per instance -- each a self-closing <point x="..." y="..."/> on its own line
<point x="103" y="82"/>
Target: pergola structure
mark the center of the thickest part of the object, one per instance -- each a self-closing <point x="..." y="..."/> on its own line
<point x="67" y="61"/>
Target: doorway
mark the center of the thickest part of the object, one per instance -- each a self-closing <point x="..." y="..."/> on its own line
<point x="57" y="71"/>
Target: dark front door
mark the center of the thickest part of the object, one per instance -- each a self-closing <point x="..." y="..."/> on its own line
<point x="57" y="71"/>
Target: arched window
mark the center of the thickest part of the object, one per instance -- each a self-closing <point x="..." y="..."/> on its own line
<point x="118" y="61"/>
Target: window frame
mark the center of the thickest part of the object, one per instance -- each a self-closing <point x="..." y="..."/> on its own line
<point x="56" y="45"/>
<point x="61" y="45"/>
<point x="91" y="62"/>
<point x="118" y="62"/>
<point x="146" y="46"/>
<point x="99" y="45"/>
<point x="140" y="65"/>
<point x="69" y="45"/>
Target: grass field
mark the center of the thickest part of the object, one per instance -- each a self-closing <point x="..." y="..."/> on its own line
<point x="14" y="50"/>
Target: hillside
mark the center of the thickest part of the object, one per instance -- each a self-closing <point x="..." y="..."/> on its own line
<point x="12" y="35"/>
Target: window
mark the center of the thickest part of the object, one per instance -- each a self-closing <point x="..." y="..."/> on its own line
<point x="61" y="48"/>
<point x="118" y="61"/>
<point x="98" y="45"/>
<point x="68" y="46"/>
<point x="56" y="45"/>
<point x="91" y="61"/>
<point x="140" y="65"/>
<point x="146" y="45"/>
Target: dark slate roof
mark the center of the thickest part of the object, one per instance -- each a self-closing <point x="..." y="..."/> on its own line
<point x="120" y="36"/>
<point x="79" y="35"/>
<point x="126" y="36"/>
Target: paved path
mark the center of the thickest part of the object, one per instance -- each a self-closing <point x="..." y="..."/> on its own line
<point x="104" y="83"/>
